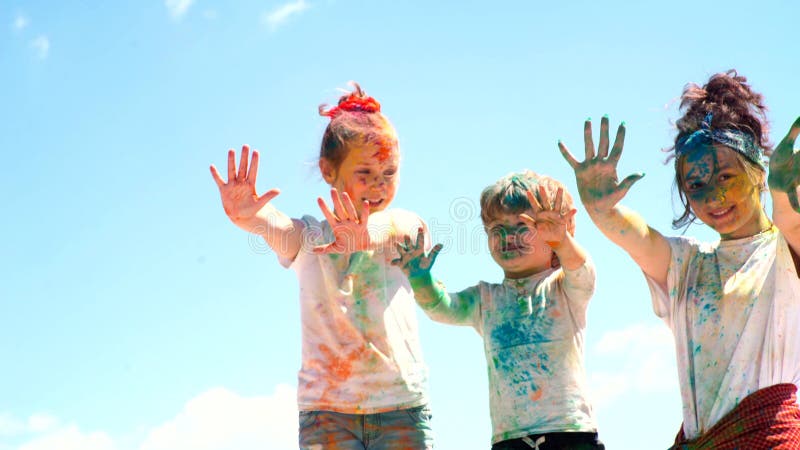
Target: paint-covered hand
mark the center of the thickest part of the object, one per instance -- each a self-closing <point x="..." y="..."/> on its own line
<point x="598" y="184"/>
<point x="784" y="167"/>
<point x="549" y="219"/>
<point x="239" y="197"/>
<point x="412" y="260"/>
<point x="350" y="232"/>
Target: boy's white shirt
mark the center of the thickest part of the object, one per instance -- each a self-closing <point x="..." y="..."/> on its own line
<point x="734" y="310"/>
<point x="360" y="343"/>
<point x="533" y="334"/>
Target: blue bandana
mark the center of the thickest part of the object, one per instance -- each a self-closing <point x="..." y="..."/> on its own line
<point x="740" y="141"/>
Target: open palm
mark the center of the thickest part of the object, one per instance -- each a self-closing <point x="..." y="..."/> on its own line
<point x="239" y="197"/>
<point x="598" y="183"/>
<point x="784" y="167"/>
<point x="413" y="261"/>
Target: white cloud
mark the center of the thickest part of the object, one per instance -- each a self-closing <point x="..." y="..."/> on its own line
<point x="219" y="419"/>
<point x="35" y="424"/>
<point x="281" y="14"/>
<point x="643" y="358"/>
<point x="41" y="45"/>
<point x="177" y="8"/>
<point x="70" y="438"/>
<point x="10" y="426"/>
<point x="20" y="22"/>
<point x="40" y="423"/>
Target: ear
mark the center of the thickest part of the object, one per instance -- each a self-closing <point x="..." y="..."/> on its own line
<point x="328" y="170"/>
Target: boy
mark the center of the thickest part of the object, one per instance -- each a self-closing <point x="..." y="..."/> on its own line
<point x="533" y="322"/>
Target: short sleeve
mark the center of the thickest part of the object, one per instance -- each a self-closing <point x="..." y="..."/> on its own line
<point x="314" y="233"/>
<point x="681" y="253"/>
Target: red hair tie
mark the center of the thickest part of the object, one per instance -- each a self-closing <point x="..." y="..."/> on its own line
<point x="352" y="103"/>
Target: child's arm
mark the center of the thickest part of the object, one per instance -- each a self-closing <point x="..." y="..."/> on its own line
<point x="550" y="222"/>
<point x="252" y="212"/>
<point x="784" y="180"/>
<point x="600" y="191"/>
<point x="429" y="293"/>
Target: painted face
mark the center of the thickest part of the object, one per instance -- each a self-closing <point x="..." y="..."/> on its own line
<point x="721" y="194"/>
<point x="516" y="248"/>
<point x="368" y="172"/>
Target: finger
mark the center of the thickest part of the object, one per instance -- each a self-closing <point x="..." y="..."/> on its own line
<point x="545" y="199"/>
<point x="266" y="197"/>
<point x="420" y="238"/>
<point x="570" y="213"/>
<point x="349" y="207"/>
<point x="567" y="155"/>
<point x="786" y="146"/>
<point x="231" y="166"/>
<point x="602" y="147"/>
<point x="338" y="206"/>
<point x="588" y="142"/>
<point x="253" y="172"/>
<point x="619" y="142"/>
<point x="528" y="219"/>
<point x="794" y="131"/>
<point x="217" y="178"/>
<point x="433" y="254"/>
<point x="243" y="163"/>
<point x="533" y="201"/>
<point x="559" y="201"/>
<point x="329" y="216"/>
<point x="333" y="247"/>
<point x="407" y="241"/>
<point x="364" y="212"/>
<point x="628" y="182"/>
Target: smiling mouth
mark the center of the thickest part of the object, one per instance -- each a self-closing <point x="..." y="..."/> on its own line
<point x="374" y="203"/>
<point x="720" y="213"/>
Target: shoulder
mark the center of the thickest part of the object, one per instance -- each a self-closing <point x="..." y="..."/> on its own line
<point x="399" y="220"/>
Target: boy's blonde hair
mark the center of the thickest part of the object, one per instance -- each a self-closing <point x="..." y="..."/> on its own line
<point x="507" y="196"/>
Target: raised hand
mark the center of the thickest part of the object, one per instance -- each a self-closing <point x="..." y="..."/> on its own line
<point x="549" y="219"/>
<point x="413" y="261"/>
<point x="350" y="233"/>
<point x="598" y="184"/>
<point x="239" y="197"/>
<point x="784" y="167"/>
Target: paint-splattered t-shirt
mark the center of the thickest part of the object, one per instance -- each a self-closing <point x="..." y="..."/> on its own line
<point x="734" y="310"/>
<point x="360" y="343"/>
<point x="533" y="332"/>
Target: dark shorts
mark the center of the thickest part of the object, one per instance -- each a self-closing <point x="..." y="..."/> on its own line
<point x="553" y="441"/>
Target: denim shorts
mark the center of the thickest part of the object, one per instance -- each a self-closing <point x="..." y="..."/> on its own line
<point x="396" y="430"/>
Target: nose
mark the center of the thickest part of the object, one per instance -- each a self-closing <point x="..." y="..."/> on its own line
<point x="717" y="195"/>
<point x="378" y="180"/>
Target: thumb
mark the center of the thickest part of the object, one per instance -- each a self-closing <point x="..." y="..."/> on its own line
<point x="626" y="184"/>
<point x="266" y="197"/>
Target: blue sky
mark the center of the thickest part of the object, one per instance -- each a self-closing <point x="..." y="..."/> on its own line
<point x="135" y="316"/>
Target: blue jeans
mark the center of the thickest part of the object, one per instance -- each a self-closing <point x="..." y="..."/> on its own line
<point x="405" y="429"/>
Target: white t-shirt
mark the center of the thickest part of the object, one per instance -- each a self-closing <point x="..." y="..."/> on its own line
<point x="532" y="331"/>
<point x="734" y="309"/>
<point x="360" y="342"/>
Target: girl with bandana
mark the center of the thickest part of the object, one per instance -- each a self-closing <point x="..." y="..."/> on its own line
<point x="363" y="383"/>
<point x="733" y="305"/>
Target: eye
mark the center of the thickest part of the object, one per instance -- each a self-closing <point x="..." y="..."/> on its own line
<point x="390" y="172"/>
<point x="694" y="185"/>
<point x="497" y="231"/>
